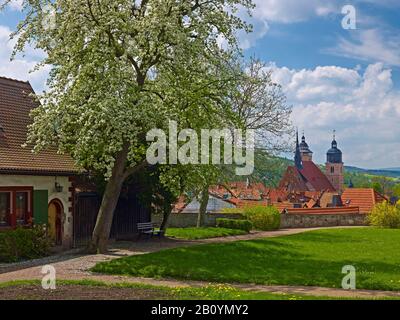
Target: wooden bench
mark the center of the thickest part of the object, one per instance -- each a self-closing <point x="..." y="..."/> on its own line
<point x="147" y="228"/>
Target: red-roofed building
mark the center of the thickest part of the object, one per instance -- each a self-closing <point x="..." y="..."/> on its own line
<point x="303" y="189"/>
<point x="34" y="188"/>
<point x="364" y="198"/>
<point x="47" y="187"/>
<point x="305" y="175"/>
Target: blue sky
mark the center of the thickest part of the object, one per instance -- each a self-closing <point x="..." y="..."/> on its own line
<point x="310" y="43"/>
<point x="348" y="80"/>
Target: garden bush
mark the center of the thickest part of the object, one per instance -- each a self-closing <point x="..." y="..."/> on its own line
<point x="22" y="243"/>
<point x="263" y="218"/>
<point x="238" y="211"/>
<point x="385" y="215"/>
<point x="244" y="225"/>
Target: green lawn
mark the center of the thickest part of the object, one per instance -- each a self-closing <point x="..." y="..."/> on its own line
<point x="311" y="258"/>
<point x="202" y="233"/>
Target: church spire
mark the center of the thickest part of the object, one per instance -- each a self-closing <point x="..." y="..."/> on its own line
<point x="297" y="156"/>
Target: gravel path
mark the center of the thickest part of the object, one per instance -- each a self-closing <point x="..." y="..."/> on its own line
<point x="74" y="266"/>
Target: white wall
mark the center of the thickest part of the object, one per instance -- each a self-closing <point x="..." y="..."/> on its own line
<point x="46" y="183"/>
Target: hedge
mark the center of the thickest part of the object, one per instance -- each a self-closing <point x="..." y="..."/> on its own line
<point x="21" y="244"/>
<point x="245" y="225"/>
<point x="263" y="218"/>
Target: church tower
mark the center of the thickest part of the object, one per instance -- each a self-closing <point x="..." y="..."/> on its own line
<point x="306" y="153"/>
<point x="334" y="166"/>
<point x="298" y="161"/>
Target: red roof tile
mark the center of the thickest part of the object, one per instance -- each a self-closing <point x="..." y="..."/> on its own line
<point x="277" y="195"/>
<point x="313" y="175"/>
<point x="365" y="198"/>
<point x="292" y="180"/>
<point x="241" y="190"/>
<point x="15" y="106"/>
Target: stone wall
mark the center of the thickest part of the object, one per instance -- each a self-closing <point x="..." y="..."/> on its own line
<point x="321" y="220"/>
<point x="184" y="220"/>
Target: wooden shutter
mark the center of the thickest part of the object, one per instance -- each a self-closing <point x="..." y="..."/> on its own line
<point x="40" y="204"/>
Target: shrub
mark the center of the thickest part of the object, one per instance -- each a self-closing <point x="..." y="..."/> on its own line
<point x="232" y="211"/>
<point x="245" y="225"/>
<point x="24" y="243"/>
<point x="385" y="215"/>
<point x="263" y="218"/>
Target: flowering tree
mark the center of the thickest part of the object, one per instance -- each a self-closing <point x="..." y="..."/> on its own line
<point x="122" y="67"/>
<point x="259" y="104"/>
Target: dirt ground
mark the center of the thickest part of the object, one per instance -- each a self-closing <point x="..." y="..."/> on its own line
<point x="79" y="292"/>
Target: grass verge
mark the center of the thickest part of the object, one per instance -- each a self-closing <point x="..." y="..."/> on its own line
<point x="202" y="233"/>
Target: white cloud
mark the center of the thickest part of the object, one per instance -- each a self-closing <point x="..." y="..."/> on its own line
<point x="370" y="45"/>
<point x="283" y="11"/>
<point x="16" y="5"/>
<point x="20" y="68"/>
<point x="289" y="11"/>
<point x="362" y="106"/>
<point x="321" y="83"/>
<point x="248" y="40"/>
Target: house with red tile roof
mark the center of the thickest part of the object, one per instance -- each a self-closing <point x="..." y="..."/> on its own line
<point x="303" y="190"/>
<point x="47" y="188"/>
<point x="245" y="194"/>
<point x="364" y="198"/>
<point x="34" y="188"/>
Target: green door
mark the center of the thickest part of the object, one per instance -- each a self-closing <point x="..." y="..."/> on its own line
<point x="40" y="203"/>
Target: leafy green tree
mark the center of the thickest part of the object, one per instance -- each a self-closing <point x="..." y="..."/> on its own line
<point x="122" y="67"/>
<point x="396" y="191"/>
<point x="377" y="187"/>
<point x="260" y="105"/>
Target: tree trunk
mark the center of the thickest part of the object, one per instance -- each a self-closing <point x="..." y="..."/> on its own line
<point x="102" y="229"/>
<point x="203" y="205"/>
<point x="167" y="213"/>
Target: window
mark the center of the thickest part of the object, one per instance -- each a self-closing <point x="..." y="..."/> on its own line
<point x="5" y="208"/>
<point x="332" y="169"/>
<point x="21" y="207"/>
<point x="16" y="206"/>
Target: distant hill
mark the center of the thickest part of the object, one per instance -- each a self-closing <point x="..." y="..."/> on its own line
<point x="392" y="172"/>
<point x="391" y="169"/>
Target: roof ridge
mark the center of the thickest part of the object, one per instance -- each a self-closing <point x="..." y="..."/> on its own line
<point x="12" y="79"/>
<point x="14" y="83"/>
